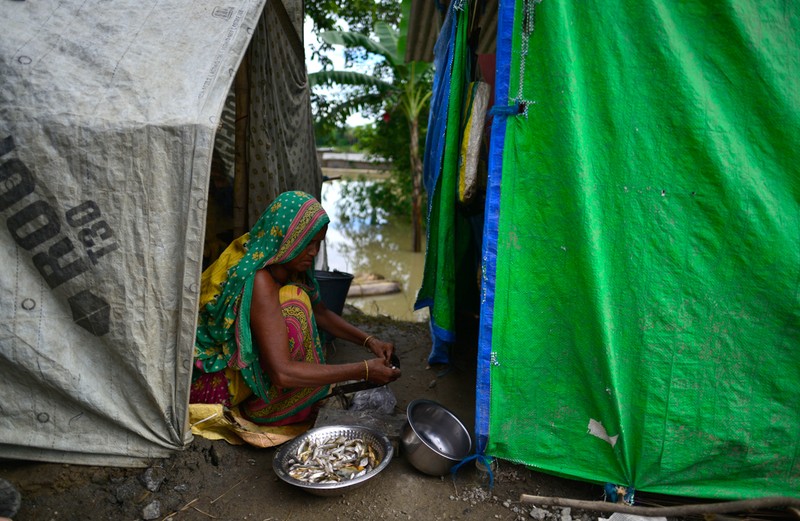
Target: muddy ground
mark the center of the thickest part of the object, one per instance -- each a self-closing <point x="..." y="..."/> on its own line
<point x="216" y="480"/>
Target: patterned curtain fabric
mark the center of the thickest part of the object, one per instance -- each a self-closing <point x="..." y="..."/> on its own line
<point x="282" y="152"/>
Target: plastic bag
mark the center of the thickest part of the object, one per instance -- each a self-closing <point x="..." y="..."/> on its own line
<point x="379" y="399"/>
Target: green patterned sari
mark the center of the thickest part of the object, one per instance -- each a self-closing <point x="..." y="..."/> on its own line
<point x="224" y="345"/>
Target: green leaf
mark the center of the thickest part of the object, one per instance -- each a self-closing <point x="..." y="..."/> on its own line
<point x="353" y="105"/>
<point x="389" y="38"/>
<point x="421" y="68"/>
<point x="405" y="17"/>
<point x="357" y="79"/>
<point x="351" y="39"/>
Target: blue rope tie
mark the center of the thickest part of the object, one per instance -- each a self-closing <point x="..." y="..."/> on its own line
<point x="485" y="460"/>
<point x="504" y="111"/>
<point x="615" y="493"/>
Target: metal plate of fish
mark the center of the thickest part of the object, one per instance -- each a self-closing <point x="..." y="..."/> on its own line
<point x="334" y="459"/>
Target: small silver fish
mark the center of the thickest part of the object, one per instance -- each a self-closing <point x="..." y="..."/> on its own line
<point x="332" y="460"/>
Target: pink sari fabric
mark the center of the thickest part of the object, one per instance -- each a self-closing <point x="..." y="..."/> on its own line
<point x="210" y="388"/>
<point x="284" y="406"/>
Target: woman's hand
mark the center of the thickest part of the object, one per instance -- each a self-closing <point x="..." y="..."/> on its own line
<point x="381" y="371"/>
<point x="380" y="348"/>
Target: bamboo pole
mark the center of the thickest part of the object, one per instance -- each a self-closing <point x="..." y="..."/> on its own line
<point x="727" y="507"/>
<point x="241" y="136"/>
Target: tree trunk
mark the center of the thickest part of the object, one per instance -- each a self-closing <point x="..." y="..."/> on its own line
<point x="416" y="183"/>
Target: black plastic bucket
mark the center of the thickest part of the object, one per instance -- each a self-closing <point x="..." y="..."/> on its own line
<point x="333" y="288"/>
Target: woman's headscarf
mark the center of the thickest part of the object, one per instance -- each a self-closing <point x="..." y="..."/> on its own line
<point x="283" y="231"/>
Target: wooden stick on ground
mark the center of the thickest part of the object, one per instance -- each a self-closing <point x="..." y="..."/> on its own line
<point x="220" y="496"/>
<point x="680" y="510"/>
<point x="183" y="508"/>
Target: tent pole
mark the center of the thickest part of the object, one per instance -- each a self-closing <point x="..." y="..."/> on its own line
<point x="242" y="95"/>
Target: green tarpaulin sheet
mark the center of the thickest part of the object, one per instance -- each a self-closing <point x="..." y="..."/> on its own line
<point x="644" y="302"/>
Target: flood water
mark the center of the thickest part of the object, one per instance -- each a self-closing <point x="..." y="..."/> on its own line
<point x="357" y="247"/>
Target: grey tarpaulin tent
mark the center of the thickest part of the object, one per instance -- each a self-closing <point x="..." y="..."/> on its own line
<point x="108" y="115"/>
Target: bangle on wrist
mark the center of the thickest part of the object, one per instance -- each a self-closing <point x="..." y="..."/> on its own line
<point x="366" y="371"/>
<point x="366" y="341"/>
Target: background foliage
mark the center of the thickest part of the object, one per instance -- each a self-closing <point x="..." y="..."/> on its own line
<point x="388" y="136"/>
<point x="359" y="16"/>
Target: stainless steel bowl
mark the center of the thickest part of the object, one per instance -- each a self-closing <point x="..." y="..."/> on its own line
<point x="378" y="441"/>
<point x="433" y="438"/>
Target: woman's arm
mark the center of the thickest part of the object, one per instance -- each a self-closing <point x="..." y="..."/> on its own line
<point x="340" y="328"/>
<point x="269" y="332"/>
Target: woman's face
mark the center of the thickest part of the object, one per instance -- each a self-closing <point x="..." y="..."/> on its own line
<point x="305" y="259"/>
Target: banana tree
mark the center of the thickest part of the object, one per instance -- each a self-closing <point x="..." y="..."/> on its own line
<point x="404" y="89"/>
